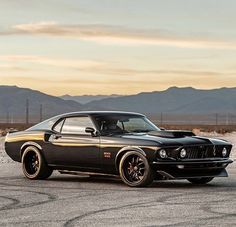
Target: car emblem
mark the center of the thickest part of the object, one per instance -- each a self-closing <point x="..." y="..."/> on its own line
<point x="107" y="154"/>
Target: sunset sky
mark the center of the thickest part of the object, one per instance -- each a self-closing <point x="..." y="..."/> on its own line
<point x="117" y="47"/>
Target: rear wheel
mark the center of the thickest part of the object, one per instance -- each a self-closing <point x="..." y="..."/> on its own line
<point x="202" y="180"/>
<point x="135" y="170"/>
<point x="33" y="164"/>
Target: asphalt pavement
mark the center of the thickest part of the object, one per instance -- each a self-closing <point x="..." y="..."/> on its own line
<point x="65" y="200"/>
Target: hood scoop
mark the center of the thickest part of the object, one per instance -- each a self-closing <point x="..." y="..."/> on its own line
<point x="172" y="134"/>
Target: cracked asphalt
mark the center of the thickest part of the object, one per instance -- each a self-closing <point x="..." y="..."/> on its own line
<point x="65" y="200"/>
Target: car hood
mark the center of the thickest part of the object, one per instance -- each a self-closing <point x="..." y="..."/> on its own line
<point x="175" y="138"/>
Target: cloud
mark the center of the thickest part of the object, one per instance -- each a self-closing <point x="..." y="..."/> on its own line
<point x="104" y="68"/>
<point x="111" y="69"/>
<point x="56" y="62"/>
<point x="105" y="34"/>
<point x="7" y="68"/>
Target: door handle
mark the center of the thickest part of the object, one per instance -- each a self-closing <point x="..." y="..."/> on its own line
<point x="56" y="137"/>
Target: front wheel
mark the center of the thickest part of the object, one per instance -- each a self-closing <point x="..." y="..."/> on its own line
<point x="203" y="180"/>
<point x="135" y="170"/>
<point x="33" y="164"/>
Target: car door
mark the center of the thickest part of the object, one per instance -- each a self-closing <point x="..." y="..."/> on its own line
<point x="72" y="146"/>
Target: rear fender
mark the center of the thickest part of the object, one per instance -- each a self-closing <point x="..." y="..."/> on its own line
<point x="27" y="144"/>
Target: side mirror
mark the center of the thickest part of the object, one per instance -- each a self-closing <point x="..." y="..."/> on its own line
<point x="162" y="129"/>
<point x="90" y="130"/>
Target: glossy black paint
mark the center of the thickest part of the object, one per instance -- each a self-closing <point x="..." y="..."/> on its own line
<point x="99" y="153"/>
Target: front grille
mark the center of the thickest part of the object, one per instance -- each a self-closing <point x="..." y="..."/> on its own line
<point x="208" y="151"/>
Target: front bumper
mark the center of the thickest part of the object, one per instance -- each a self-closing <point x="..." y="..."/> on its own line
<point x="192" y="168"/>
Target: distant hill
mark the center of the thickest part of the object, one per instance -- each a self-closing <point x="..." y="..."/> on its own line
<point x="174" y="100"/>
<point x="84" y="99"/>
<point x="13" y="100"/>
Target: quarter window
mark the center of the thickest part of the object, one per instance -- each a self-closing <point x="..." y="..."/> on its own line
<point x="58" y="126"/>
<point x="76" y="125"/>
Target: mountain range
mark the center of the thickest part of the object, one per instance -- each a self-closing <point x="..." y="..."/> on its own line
<point x="173" y="100"/>
<point x="84" y="99"/>
<point x="13" y="102"/>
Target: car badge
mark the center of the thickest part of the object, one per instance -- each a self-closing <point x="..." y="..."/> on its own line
<point x="107" y="154"/>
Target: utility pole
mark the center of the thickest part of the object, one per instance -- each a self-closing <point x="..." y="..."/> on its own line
<point x="41" y="113"/>
<point x="11" y="119"/>
<point x="27" y="112"/>
<point x="161" y="118"/>
<point x="8" y="117"/>
<point x="216" y="119"/>
<point x="227" y="119"/>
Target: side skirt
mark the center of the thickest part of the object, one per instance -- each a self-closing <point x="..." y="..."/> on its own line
<point x="85" y="173"/>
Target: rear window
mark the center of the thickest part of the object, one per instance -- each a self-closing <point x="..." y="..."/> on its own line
<point x="45" y="125"/>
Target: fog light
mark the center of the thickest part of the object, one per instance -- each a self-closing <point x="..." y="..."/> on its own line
<point x="162" y="153"/>
<point x="224" y="152"/>
<point x="183" y="153"/>
<point x="180" y="166"/>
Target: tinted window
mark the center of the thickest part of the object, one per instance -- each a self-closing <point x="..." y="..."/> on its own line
<point x="124" y="124"/>
<point x="45" y="125"/>
<point x="76" y="125"/>
<point x="136" y="125"/>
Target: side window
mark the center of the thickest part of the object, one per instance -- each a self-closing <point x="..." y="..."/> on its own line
<point x="58" y="126"/>
<point x="76" y="125"/>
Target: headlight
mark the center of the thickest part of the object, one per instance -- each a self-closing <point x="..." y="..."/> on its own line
<point x="224" y="152"/>
<point x="162" y="153"/>
<point x="183" y="153"/>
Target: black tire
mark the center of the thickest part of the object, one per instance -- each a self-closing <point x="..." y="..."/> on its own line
<point x="203" y="180"/>
<point x="34" y="166"/>
<point x="135" y="170"/>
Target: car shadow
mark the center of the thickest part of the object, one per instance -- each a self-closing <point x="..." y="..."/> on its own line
<point x="118" y="182"/>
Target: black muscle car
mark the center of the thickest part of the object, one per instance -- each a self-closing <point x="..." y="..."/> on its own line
<point x="117" y="143"/>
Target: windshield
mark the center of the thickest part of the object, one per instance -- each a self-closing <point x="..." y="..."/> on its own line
<point x="124" y="124"/>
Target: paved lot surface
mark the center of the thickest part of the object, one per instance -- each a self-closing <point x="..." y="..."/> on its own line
<point x="65" y="200"/>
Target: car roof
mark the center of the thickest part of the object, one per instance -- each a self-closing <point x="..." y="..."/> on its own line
<point x="100" y="113"/>
<point x="47" y="124"/>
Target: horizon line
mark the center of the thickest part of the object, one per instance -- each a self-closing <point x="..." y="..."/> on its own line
<point x="117" y="94"/>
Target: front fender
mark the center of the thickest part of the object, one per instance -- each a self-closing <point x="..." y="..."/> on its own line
<point x="122" y="151"/>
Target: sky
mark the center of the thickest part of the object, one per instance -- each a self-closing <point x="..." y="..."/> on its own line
<point x="123" y="47"/>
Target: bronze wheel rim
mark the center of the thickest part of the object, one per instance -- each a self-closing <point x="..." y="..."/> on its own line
<point x="134" y="169"/>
